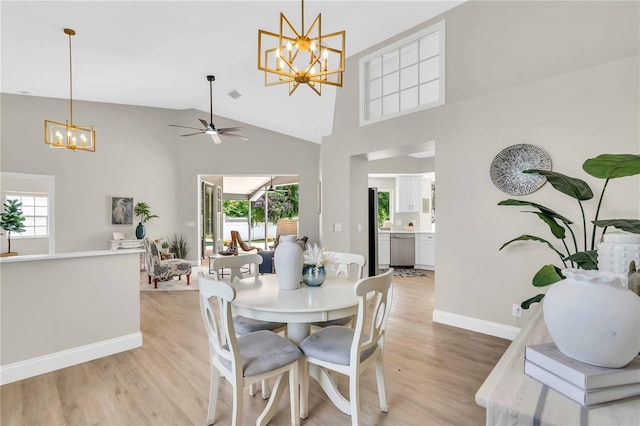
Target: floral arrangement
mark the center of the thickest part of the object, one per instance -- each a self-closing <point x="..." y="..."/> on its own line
<point x="314" y="255"/>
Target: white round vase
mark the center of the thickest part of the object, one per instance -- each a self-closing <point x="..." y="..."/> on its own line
<point x="592" y="317"/>
<point x="289" y="261"/>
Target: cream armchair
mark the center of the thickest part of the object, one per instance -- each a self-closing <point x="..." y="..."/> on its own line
<point x="163" y="270"/>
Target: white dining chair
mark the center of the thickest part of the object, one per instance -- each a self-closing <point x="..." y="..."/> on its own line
<point x="244" y="325"/>
<point x="245" y="360"/>
<point x="349" y="265"/>
<point x="350" y="351"/>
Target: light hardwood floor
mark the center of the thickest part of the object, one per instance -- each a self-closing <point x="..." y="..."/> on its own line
<point x="432" y="374"/>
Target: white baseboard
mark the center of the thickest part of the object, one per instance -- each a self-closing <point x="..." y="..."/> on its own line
<point x="44" y="364"/>
<point x="474" y="324"/>
<point x="425" y="267"/>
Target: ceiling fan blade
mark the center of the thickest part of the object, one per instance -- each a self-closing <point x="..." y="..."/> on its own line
<point x="244" y="138"/>
<point x="231" y="129"/>
<point x="204" y="123"/>
<point x="216" y="138"/>
<point x="185" y="127"/>
<point x="191" y="134"/>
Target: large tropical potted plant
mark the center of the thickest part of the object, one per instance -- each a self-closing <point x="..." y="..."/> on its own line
<point x="179" y="246"/>
<point x="143" y="210"/>
<point x="12" y="220"/>
<point x="577" y="252"/>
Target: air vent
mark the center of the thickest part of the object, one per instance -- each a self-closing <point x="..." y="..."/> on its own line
<point x="234" y="94"/>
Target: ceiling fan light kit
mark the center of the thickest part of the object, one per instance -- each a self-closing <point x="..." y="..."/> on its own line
<point x="308" y="57"/>
<point x="210" y="128"/>
<point x="69" y="135"/>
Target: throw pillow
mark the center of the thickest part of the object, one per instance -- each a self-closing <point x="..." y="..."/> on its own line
<point x="302" y="242"/>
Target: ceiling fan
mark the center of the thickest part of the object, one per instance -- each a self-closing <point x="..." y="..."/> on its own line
<point x="209" y="128"/>
<point x="272" y="189"/>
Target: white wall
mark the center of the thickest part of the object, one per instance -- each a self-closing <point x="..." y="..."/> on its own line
<point x="138" y="155"/>
<point x="560" y="75"/>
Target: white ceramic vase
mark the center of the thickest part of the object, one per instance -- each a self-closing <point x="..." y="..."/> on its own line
<point x="617" y="250"/>
<point x="289" y="261"/>
<point x="592" y="317"/>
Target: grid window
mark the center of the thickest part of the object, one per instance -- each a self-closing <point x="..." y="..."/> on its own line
<point x="403" y="78"/>
<point x="35" y="209"/>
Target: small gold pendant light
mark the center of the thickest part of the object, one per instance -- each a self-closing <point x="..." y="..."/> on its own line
<point x="68" y="135"/>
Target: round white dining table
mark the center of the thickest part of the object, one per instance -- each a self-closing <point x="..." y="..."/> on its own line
<point x="262" y="299"/>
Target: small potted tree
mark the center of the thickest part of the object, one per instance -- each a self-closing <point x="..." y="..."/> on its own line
<point x="143" y="210"/>
<point x="11" y="221"/>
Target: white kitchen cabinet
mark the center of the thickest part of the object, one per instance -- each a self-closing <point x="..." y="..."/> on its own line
<point x="425" y="251"/>
<point x="409" y="194"/>
<point x="384" y="250"/>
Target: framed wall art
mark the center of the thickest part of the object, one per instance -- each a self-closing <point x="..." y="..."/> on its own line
<point x="506" y="169"/>
<point x="121" y="211"/>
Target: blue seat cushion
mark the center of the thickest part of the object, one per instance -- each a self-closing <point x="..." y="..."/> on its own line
<point x="264" y="351"/>
<point x="244" y="325"/>
<point x="332" y="344"/>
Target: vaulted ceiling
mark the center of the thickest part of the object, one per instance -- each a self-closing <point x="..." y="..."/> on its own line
<point x="158" y="53"/>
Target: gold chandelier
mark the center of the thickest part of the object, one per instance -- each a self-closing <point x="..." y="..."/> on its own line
<point x="68" y="135"/>
<point x="305" y="57"/>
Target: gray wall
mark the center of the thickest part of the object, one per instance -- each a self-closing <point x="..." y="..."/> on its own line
<point x="560" y="75"/>
<point x="140" y="156"/>
<point x="49" y="305"/>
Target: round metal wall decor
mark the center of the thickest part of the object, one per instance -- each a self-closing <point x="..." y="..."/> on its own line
<point x="506" y="169"/>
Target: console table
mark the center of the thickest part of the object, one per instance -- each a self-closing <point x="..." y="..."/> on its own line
<point x="513" y="398"/>
<point x="125" y="244"/>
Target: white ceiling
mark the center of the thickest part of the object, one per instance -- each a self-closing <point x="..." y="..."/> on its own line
<point x="158" y="53"/>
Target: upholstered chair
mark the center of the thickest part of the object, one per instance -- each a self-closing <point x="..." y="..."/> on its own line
<point x="163" y="270"/>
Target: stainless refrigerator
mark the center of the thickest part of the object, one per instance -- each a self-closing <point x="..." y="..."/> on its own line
<point x="373" y="232"/>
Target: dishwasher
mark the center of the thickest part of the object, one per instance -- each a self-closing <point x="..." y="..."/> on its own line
<point x="403" y="250"/>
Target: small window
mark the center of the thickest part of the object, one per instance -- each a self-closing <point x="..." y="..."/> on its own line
<point x="403" y="78"/>
<point x="35" y="209"/>
<point x="384" y="212"/>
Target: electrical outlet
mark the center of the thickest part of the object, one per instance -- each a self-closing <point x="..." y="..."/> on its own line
<point x="516" y="310"/>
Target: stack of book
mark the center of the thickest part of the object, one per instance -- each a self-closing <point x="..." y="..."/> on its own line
<point x="584" y="383"/>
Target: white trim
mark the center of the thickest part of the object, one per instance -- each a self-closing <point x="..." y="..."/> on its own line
<point x="67" y="255"/>
<point x="424" y="267"/>
<point x="44" y="364"/>
<point x="475" y="324"/>
<point x="437" y="27"/>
